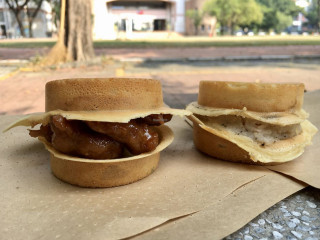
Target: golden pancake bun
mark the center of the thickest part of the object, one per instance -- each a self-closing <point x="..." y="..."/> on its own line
<point x="218" y="147"/>
<point x="92" y="94"/>
<point x="259" y="97"/>
<point x="105" y="174"/>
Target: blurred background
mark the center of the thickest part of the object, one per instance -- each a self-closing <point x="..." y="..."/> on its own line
<point x="179" y="42"/>
<point x="130" y="19"/>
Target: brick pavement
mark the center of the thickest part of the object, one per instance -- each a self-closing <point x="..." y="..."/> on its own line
<point x="24" y="92"/>
<point x="171" y="53"/>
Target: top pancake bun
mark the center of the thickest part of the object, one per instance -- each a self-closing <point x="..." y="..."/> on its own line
<point x="84" y="94"/>
<point x="258" y="97"/>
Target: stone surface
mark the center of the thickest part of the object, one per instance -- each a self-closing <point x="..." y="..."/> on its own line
<point x="278" y="226"/>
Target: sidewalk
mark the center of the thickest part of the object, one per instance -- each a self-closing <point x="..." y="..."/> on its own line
<point x="181" y="54"/>
<point x="23" y="92"/>
<point x="212" y="53"/>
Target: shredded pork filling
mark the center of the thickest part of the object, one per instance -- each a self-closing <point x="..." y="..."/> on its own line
<point x="263" y="133"/>
<point x="102" y="140"/>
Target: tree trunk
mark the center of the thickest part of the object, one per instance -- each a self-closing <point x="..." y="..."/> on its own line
<point x="222" y="26"/>
<point x="20" y="24"/>
<point x="196" y="29"/>
<point x="30" y="29"/>
<point x="318" y="8"/>
<point x="79" y="45"/>
<point x="16" y="8"/>
<point x="75" y="34"/>
<point x="32" y="16"/>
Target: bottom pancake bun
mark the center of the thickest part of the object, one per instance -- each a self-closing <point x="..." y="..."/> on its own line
<point x="107" y="173"/>
<point x="228" y="146"/>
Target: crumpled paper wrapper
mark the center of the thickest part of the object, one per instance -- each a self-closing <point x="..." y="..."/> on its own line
<point x="189" y="196"/>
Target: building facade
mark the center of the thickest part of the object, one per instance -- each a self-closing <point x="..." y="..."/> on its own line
<point x="208" y="23"/>
<point x="137" y="18"/>
<point x="42" y="24"/>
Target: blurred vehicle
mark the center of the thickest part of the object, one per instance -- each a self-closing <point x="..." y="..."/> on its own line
<point x="239" y="33"/>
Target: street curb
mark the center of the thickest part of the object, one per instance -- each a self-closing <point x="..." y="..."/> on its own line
<point x="20" y="62"/>
<point x="223" y="59"/>
<point x="10" y="62"/>
<point x="10" y="74"/>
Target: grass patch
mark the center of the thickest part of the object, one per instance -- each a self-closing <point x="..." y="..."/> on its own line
<point x="27" y="44"/>
<point x="186" y="42"/>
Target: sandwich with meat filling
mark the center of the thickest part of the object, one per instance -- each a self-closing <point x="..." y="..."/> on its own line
<point x="103" y="132"/>
<point x="255" y="123"/>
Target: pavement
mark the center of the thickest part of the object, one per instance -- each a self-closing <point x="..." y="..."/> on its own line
<point x="181" y="54"/>
<point x="296" y="217"/>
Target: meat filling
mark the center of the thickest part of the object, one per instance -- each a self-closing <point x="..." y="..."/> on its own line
<point x="155" y="119"/>
<point x="137" y="137"/>
<point x="75" y="138"/>
<point x="101" y="140"/>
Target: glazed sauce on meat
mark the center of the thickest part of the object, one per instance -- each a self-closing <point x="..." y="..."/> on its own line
<point x="137" y="137"/>
<point x="102" y="140"/>
<point x="75" y="138"/>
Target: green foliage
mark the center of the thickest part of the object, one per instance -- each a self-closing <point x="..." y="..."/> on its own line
<point x="56" y="8"/>
<point x="283" y="21"/>
<point x="196" y="16"/>
<point x="278" y="14"/>
<point x="181" y="43"/>
<point x="233" y="13"/>
<point x="313" y="14"/>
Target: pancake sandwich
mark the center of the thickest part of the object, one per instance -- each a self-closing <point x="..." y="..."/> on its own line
<point x="257" y="123"/>
<point x="103" y="132"/>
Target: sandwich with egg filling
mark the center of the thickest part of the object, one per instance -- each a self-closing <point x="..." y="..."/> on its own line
<point x="256" y="123"/>
<point x="103" y="132"/>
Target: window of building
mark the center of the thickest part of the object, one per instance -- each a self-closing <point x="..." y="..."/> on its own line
<point x="1" y="16"/>
<point x="159" y="25"/>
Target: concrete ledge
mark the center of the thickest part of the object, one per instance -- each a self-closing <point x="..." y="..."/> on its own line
<point x="14" y="62"/>
<point x="223" y="59"/>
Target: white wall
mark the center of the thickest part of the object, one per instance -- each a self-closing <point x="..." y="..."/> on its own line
<point x="103" y="25"/>
<point x="180" y="13"/>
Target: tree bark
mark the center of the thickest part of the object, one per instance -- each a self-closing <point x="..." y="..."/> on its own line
<point x="16" y="9"/>
<point x="318" y="8"/>
<point x="32" y="16"/>
<point x="20" y="24"/>
<point x="75" y="34"/>
<point x="79" y="45"/>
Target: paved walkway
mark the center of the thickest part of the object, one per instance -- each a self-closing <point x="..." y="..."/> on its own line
<point x="210" y="52"/>
<point x="175" y="53"/>
<point x="24" y="91"/>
